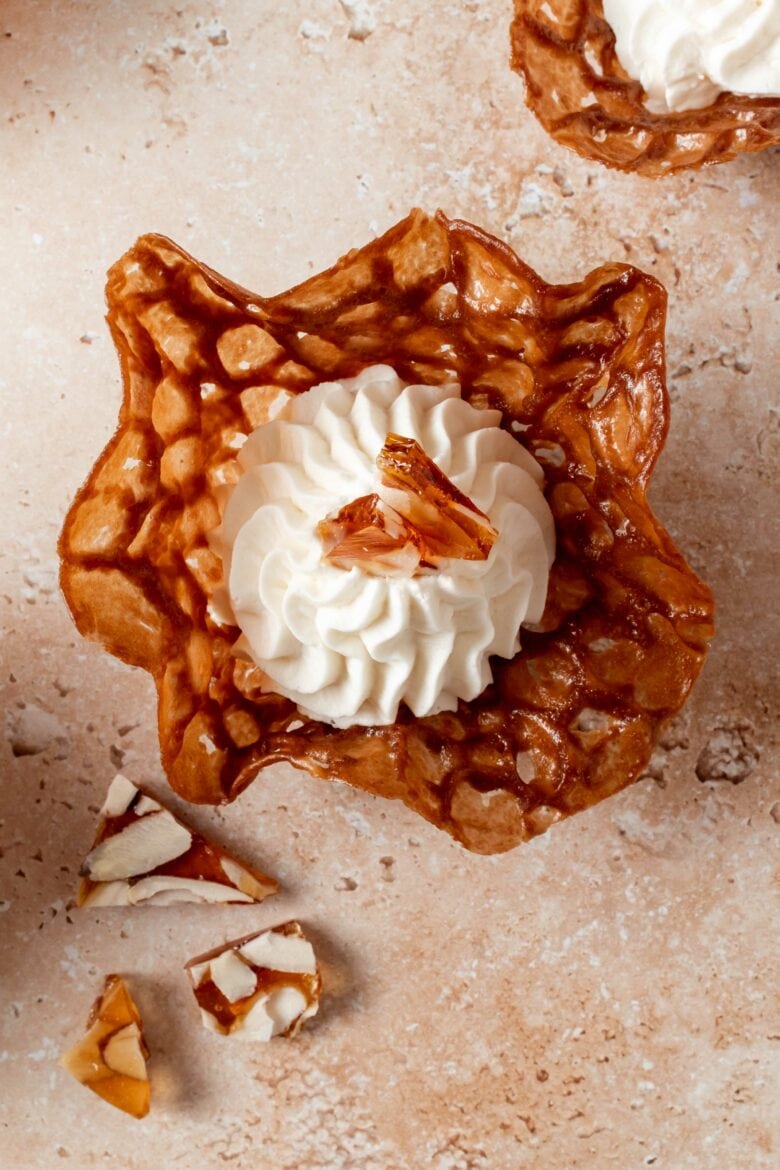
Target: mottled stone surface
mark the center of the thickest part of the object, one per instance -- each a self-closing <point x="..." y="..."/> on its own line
<point x="601" y="997"/>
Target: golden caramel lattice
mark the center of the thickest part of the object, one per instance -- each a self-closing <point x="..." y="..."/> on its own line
<point x="565" y="52"/>
<point x="578" y="372"/>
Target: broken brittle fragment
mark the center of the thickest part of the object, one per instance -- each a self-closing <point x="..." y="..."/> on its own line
<point x="371" y="536"/>
<point x="416" y="519"/>
<point x="143" y="853"/>
<point x="448" y="523"/>
<point x="262" y="985"/>
<point x="111" y="1058"/>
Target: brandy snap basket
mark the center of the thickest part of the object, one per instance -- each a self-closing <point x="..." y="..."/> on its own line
<point x="577" y="88"/>
<point x="578" y="372"/>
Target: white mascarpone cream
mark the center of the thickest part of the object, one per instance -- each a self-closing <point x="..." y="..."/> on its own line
<point x="348" y="646"/>
<point x="686" y="52"/>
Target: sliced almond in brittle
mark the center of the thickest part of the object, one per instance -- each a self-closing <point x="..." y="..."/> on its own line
<point x="111" y="1058"/>
<point x="448" y="523"/>
<point x="143" y="853"/>
<point x="260" y="986"/>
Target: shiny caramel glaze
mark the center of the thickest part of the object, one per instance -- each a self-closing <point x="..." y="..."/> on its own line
<point x="226" y="1014"/>
<point x="201" y="862"/>
<point x="579" y="91"/>
<point x="112" y="1012"/>
<point x="578" y="373"/>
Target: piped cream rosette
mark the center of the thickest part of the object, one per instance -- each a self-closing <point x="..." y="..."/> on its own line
<point x="687" y="52"/>
<point x="347" y="646"/>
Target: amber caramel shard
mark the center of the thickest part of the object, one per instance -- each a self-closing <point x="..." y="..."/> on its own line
<point x="422" y="519"/>
<point x="579" y="91"/>
<point x="111" y="1059"/>
<point x="577" y="370"/>
<point x="260" y="986"/>
<point x="446" y="521"/>
<point x="144" y="855"/>
<point x="369" y="535"/>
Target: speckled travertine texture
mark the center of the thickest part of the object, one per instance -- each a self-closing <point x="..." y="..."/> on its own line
<point x="600" y="997"/>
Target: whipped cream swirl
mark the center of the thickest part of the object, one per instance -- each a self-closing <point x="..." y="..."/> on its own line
<point x="686" y="52"/>
<point x="347" y="646"/>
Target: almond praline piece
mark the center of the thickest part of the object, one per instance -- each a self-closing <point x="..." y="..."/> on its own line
<point x="578" y="373"/>
<point x="111" y="1058"/>
<point x="262" y="985"/>
<point x="144" y="855"/>
<point x="575" y="85"/>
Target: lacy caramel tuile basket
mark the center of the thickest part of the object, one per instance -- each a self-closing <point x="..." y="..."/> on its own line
<point x="579" y="370"/>
<point x="579" y="91"/>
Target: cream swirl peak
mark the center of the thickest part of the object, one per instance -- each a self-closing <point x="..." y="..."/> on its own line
<point x="348" y="646"/>
<point x="686" y="52"/>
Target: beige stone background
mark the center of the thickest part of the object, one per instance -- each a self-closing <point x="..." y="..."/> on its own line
<point x="602" y="997"/>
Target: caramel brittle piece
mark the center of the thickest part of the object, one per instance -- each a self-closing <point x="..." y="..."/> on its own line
<point x="417" y="520"/>
<point x="144" y="854"/>
<point x="449" y="525"/>
<point x="111" y="1059"/>
<point x="579" y="91"/>
<point x="262" y="985"/>
<point x="369" y="535"/>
